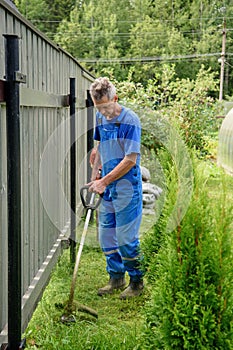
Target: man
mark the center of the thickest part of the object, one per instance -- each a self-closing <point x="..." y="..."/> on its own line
<point x="118" y="134"/>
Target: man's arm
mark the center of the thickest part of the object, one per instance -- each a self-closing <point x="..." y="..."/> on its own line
<point x="95" y="162"/>
<point x="121" y="169"/>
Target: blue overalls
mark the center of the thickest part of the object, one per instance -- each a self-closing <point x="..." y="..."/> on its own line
<point x="121" y="207"/>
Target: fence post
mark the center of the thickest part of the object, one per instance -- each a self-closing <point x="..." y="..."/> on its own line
<point x="90" y="140"/>
<point x="72" y="238"/>
<point x="13" y="79"/>
<point x="90" y="126"/>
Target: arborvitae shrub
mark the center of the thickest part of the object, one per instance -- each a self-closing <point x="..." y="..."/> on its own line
<point x="192" y="295"/>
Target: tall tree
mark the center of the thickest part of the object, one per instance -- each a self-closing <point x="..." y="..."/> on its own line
<point x="46" y="15"/>
<point x="37" y="11"/>
<point x="144" y="33"/>
<point x="96" y="30"/>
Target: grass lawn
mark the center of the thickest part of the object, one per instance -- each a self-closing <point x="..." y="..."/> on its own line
<point x="119" y="324"/>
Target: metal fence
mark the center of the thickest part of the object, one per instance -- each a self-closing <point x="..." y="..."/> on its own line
<point x="45" y="158"/>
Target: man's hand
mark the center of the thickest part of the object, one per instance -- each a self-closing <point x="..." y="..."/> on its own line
<point x="97" y="186"/>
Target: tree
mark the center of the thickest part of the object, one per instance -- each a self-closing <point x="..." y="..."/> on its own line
<point x="144" y="34"/>
<point x="36" y="11"/>
<point x="46" y="14"/>
<point x="96" y="34"/>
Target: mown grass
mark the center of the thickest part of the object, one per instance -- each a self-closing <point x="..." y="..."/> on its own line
<point x="119" y="324"/>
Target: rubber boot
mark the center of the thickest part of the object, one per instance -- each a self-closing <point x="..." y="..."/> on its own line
<point x="113" y="284"/>
<point x="134" y="289"/>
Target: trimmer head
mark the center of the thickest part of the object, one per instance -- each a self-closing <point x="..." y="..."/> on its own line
<point x="68" y="319"/>
<point x="69" y="315"/>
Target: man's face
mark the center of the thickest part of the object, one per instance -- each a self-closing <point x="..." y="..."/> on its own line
<point x="106" y="107"/>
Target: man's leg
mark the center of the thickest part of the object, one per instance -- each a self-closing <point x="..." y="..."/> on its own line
<point x="128" y="223"/>
<point x="131" y="258"/>
<point x="108" y="242"/>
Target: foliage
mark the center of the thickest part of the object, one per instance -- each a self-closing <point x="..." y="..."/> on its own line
<point x="191" y="305"/>
<point x="194" y="110"/>
<point x="153" y="240"/>
<point x="46" y="14"/>
<point x="186" y="33"/>
<point x="139" y="35"/>
<point x="184" y="103"/>
<point x="35" y="10"/>
<point x="94" y="33"/>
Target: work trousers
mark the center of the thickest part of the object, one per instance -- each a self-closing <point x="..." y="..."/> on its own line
<point x="119" y="221"/>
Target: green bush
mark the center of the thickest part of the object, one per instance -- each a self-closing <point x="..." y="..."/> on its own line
<point x="185" y="103"/>
<point x="154" y="239"/>
<point x="192" y="297"/>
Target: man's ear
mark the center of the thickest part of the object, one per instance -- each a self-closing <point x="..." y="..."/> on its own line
<point x="115" y="99"/>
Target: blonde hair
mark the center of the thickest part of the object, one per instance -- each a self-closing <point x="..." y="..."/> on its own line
<point x="102" y="87"/>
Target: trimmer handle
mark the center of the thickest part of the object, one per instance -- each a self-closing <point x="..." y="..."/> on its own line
<point x="89" y="202"/>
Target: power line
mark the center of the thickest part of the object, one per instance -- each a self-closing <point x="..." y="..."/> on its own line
<point x="91" y="31"/>
<point x="132" y="21"/>
<point x="96" y="34"/>
<point x="136" y="34"/>
<point x="143" y="62"/>
<point x="148" y="59"/>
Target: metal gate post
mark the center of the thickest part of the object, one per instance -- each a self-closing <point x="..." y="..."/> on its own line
<point x="90" y="126"/>
<point x="13" y="79"/>
<point x="72" y="238"/>
<point x="90" y="140"/>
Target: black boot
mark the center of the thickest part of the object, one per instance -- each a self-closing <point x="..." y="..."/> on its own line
<point x="113" y="284"/>
<point x="134" y="289"/>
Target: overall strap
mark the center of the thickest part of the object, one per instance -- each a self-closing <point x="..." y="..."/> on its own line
<point x="118" y="120"/>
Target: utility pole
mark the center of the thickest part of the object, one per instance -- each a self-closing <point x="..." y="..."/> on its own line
<point x="222" y="60"/>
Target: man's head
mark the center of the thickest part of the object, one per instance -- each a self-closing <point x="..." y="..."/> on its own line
<point x="102" y="87"/>
<point x="103" y="94"/>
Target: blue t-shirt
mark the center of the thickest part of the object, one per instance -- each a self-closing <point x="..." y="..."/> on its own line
<point x="118" y="137"/>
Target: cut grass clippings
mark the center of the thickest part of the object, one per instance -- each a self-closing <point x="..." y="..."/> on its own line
<point x="119" y="324"/>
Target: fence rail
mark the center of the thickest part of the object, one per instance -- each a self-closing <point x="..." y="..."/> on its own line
<point x="46" y="160"/>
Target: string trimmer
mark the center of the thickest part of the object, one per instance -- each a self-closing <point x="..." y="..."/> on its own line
<point x="90" y="202"/>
